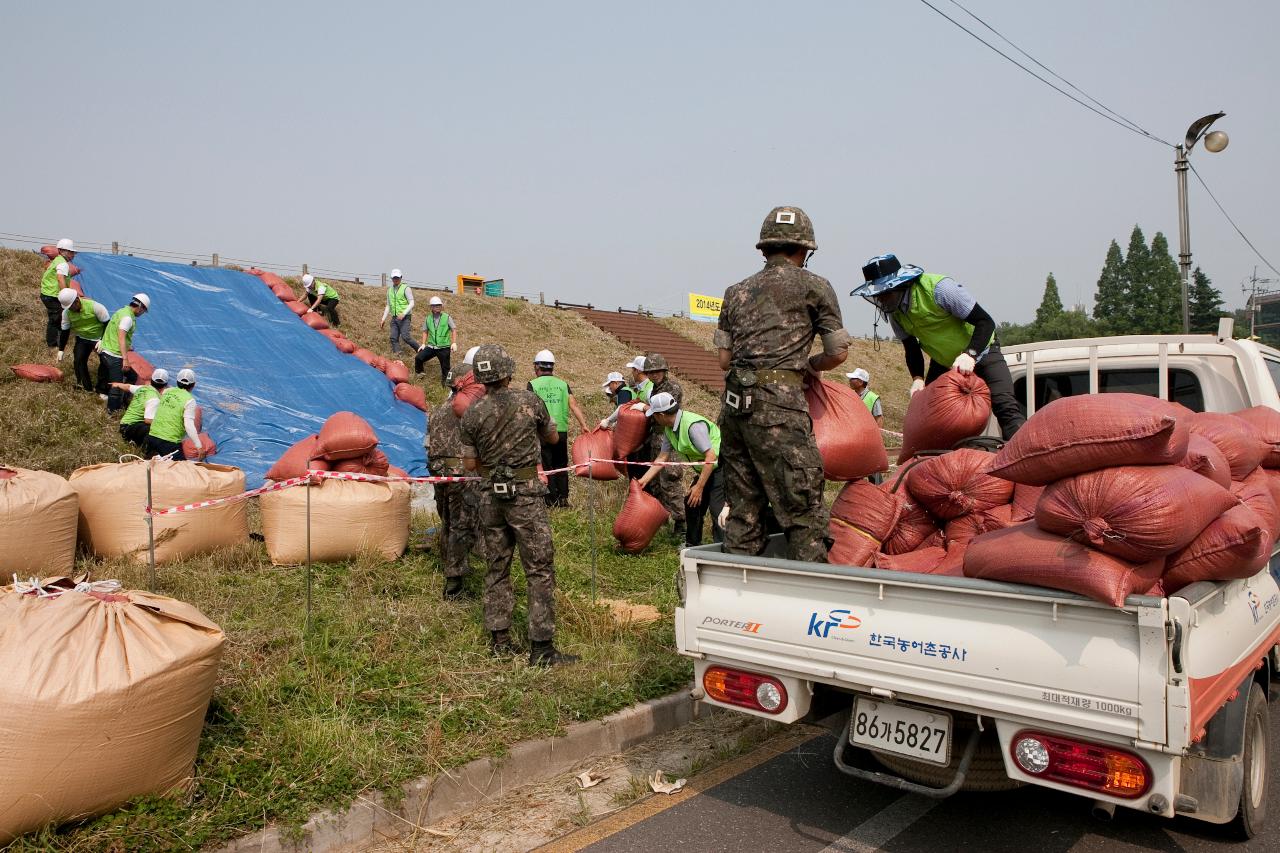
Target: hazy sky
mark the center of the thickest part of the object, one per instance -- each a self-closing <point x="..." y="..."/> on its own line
<point x="627" y="154"/>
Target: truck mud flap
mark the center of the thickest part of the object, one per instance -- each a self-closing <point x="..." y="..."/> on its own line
<point x="891" y="781"/>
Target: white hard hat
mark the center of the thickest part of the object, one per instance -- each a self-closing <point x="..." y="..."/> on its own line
<point x="186" y="376"/>
<point x="436" y="300"/>
<point x="636" y="363"/>
<point x="396" y="274"/>
<point x="615" y="376"/>
<point x="859" y="374"/>
<point x="471" y="354"/>
<point x="307" y="280"/>
<point x="65" y="244"/>
<point x="660" y="402"/>
<point x="160" y="375"/>
<point x="545" y="356"/>
<point x="66" y="296"/>
<point x="143" y="300"/>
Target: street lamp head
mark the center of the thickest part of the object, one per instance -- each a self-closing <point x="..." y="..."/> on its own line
<point x="1216" y="141"/>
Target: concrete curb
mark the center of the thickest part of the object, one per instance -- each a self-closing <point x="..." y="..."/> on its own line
<point x="430" y="799"/>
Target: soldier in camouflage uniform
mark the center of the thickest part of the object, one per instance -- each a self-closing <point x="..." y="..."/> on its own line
<point x="767" y="451"/>
<point x="500" y="435"/>
<point x="668" y="487"/>
<point x="457" y="503"/>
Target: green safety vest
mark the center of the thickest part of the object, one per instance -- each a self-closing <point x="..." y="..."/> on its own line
<point x="870" y="399"/>
<point x="554" y="391"/>
<point x="109" y="335"/>
<point x="681" y="443"/>
<point x="941" y="335"/>
<point x="396" y="300"/>
<point x="138" y="406"/>
<point x="49" y="282"/>
<point x="643" y="390"/>
<point x="168" y="425"/>
<point x="437" y="330"/>
<point x="84" y="322"/>
<point x="325" y="291"/>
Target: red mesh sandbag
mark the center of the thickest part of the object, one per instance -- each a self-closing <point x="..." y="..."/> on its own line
<point x="957" y="483"/>
<point x="344" y="345"/>
<point x="1254" y="492"/>
<point x="1238" y="440"/>
<point x="380" y="362"/>
<point x="393" y="471"/>
<point x="934" y="560"/>
<point x="952" y="408"/>
<point x="1025" y="554"/>
<point x="1266" y="421"/>
<point x="189" y="447"/>
<point x="37" y="372"/>
<point x="346" y="435"/>
<point x="962" y="530"/>
<point x="293" y="462"/>
<point x="848" y="438"/>
<point x="466" y="392"/>
<point x="1024" y="503"/>
<point x="1236" y="545"/>
<point x="75" y="285"/>
<point x="72" y="270"/>
<point x="1136" y="512"/>
<point x="315" y="321"/>
<point x="409" y="393"/>
<point x="915" y="525"/>
<point x="1073" y="435"/>
<point x="270" y="279"/>
<point x="868" y="507"/>
<point x="639" y="520"/>
<point x="139" y="365"/>
<point x="396" y="371"/>
<point x="597" y="444"/>
<point x="284" y="293"/>
<point x="1204" y="457"/>
<point x="367" y="356"/>
<point x="374" y="462"/>
<point x="49" y="252"/>
<point x="296" y="307"/>
<point x="850" y="546"/>
<point x="630" y="431"/>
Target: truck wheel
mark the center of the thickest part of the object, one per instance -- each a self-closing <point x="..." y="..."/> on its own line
<point x="1253" y="793"/>
<point x="986" y="771"/>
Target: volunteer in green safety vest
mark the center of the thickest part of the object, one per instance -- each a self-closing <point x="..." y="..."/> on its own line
<point x="559" y="399"/>
<point x="57" y="275"/>
<point x="859" y="380"/>
<point x="641" y="385"/>
<point x="399" y="309"/>
<point x="175" y="419"/>
<point x="689" y="437"/>
<point x="323" y="298"/>
<point x="88" y="319"/>
<point x="440" y="339"/>
<point x="117" y="340"/>
<point x="934" y="314"/>
<point x="135" y="423"/>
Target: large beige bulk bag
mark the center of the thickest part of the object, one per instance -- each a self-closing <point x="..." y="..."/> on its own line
<point x="347" y="517"/>
<point x="103" y="701"/>
<point x="38" y="516"/>
<point x="113" y="497"/>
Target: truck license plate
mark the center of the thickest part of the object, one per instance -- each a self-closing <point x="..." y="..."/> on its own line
<point x="901" y="729"/>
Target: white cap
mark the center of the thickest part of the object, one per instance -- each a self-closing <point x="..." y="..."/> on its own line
<point x="615" y="376"/>
<point x="65" y="244"/>
<point x="436" y="300"/>
<point x="66" y="296"/>
<point x="160" y="375"/>
<point x="544" y="356"/>
<point x="307" y="280"/>
<point x="660" y="402"/>
<point x="471" y="354"/>
<point x="396" y="274"/>
<point x="186" y="376"/>
<point x="859" y="374"/>
<point x="636" y="363"/>
<point x="143" y="300"/>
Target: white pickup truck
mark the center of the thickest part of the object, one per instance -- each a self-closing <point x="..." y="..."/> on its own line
<point x="939" y="684"/>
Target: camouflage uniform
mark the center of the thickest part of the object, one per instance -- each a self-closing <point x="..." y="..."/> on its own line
<point x="768" y="455"/>
<point x="457" y="503"/>
<point x="668" y="486"/>
<point x="503" y="428"/>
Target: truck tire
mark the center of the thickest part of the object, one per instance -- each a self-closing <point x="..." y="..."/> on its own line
<point x="1252" y="816"/>
<point x="986" y="771"/>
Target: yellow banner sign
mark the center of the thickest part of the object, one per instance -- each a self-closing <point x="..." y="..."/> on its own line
<point x="701" y="305"/>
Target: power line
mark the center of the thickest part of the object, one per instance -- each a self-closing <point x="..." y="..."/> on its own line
<point x="1125" y="123"/>
<point x="1232" y="221"/>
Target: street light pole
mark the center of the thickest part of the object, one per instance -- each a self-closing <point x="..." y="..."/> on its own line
<point x="1217" y="141"/>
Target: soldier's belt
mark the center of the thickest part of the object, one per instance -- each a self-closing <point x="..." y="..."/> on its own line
<point x="781" y="377"/>
<point x="521" y="475"/>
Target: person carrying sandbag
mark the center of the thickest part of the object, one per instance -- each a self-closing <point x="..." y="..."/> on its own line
<point x="560" y="402"/>
<point x="175" y="419"/>
<point x="500" y="434"/>
<point x="458" y="504"/>
<point x="324" y="298"/>
<point x="117" y="340"/>
<point x="57" y="276"/>
<point x="135" y="423"/>
<point x="629" y="394"/>
<point x="668" y="486"/>
<point x="689" y="437"/>
<point x="934" y="314"/>
<point x="88" y="319"/>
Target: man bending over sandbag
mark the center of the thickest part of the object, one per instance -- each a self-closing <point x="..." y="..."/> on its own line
<point x="689" y="437"/>
<point x="934" y="314"/>
<point x="176" y="419"/>
<point x="135" y="423"/>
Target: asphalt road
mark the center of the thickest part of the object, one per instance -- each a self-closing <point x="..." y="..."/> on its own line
<point x="788" y="796"/>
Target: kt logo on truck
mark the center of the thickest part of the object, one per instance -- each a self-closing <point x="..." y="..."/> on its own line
<point x="822" y="624"/>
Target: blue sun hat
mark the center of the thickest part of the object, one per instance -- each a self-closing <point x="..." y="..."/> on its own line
<point x="884" y="273"/>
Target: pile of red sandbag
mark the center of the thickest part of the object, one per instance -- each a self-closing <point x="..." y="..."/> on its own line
<point x="848" y="437"/>
<point x="345" y="443"/>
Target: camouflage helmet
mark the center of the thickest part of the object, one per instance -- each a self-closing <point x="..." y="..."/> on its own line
<point x="492" y="364"/>
<point x="787" y="226"/>
<point x="457" y="374"/>
<point x="654" y="361"/>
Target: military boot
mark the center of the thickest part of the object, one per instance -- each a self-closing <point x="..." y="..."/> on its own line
<point x="544" y="653"/>
<point x="500" y="645"/>
<point x="453" y="589"/>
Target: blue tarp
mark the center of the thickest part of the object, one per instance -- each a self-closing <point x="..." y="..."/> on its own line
<point x="264" y="378"/>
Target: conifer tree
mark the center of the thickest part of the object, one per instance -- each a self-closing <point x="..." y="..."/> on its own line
<point x="1162" y="313"/>
<point x="1111" y="304"/>
<point x="1137" y="283"/>
<point x="1205" y="303"/>
<point x="1050" y="304"/>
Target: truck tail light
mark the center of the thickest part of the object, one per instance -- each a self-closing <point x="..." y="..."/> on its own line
<point x="1100" y="768"/>
<point x="745" y="689"/>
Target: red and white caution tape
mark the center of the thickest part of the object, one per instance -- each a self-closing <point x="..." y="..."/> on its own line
<point x="252" y="493"/>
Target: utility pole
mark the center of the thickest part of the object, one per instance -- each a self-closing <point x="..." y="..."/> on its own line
<point x="1252" y="302"/>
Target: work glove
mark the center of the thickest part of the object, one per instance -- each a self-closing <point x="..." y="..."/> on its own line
<point x="60" y="355"/>
<point x="604" y="423"/>
<point x="639" y="407"/>
<point x="917" y="384"/>
<point x="453" y="347"/>
<point x="964" y="363"/>
<point x="723" y="518"/>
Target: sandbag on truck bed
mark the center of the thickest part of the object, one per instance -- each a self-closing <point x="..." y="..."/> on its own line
<point x="1266" y="421"/>
<point x="953" y="407"/>
<point x="39" y="513"/>
<point x="862" y="516"/>
<point x="1235" y="545"/>
<point x="1238" y="439"/>
<point x="958" y="482"/>
<point x="847" y="436"/>
<point x="1254" y="492"/>
<point x="347" y="518"/>
<point x="1204" y="457"/>
<point x="914" y="526"/>
<point x="103" y="702"/>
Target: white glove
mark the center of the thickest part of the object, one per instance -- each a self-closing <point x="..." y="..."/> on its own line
<point x="917" y="384"/>
<point x="723" y="518"/>
<point x="453" y="347"/>
<point x="639" y="407"/>
<point x="604" y="423"/>
<point x="97" y="347"/>
<point x="964" y="363"/>
<point x="60" y="355"/>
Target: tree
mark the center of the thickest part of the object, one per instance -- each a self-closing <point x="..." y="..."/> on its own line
<point x="1050" y="304"/>
<point x="1138" y="289"/>
<point x="1068" y="324"/>
<point x="1205" y="302"/>
<point x="1111" y="303"/>
<point x="1162" y="312"/>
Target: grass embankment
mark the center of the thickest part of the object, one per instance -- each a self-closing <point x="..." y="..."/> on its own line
<point x="392" y="682"/>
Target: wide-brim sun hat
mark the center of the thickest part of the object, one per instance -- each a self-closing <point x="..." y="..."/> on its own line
<point x="884" y="273"/>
